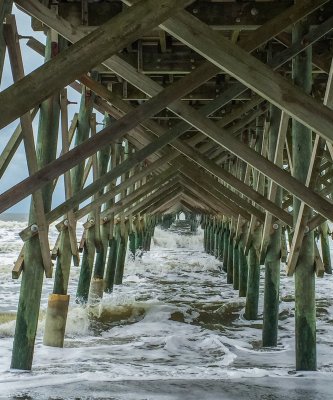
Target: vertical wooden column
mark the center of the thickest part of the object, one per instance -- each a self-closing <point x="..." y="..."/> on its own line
<point x="235" y="278"/>
<point x="272" y="259"/>
<point x="82" y="134"/>
<point x="114" y="231"/>
<point x="5" y="9"/>
<point x="121" y="250"/>
<point x="97" y="282"/>
<point x="305" y="307"/>
<point x="32" y="276"/>
<point x="325" y="247"/>
<point x="243" y="268"/>
<point x="230" y="261"/>
<point x="226" y="235"/>
<point x="255" y="232"/>
<point x="56" y="315"/>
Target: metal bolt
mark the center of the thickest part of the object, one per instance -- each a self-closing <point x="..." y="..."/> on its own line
<point x="105" y="219"/>
<point x="238" y="20"/>
<point x="34" y="228"/>
<point x="195" y="11"/>
<point x="254" y="11"/>
<point x="91" y="221"/>
<point x="275" y="226"/>
<point x="307" y="229"/>
<point x="66" y="222"/>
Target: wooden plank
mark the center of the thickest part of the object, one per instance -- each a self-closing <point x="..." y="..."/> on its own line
<point x="55" y="250"/>
<point x="10" y="34"/>
<point x="234" y="182"/>
<point x="65" y="134"/>
<point x="18" y="265"/>
<point x="254" y="74"/>
<point x="147" y="85"/>
<point x="12" y="145"/>
<point x="259" y="186"/>
<point x="110" y="194"/>
<point x="278" y="160"/>
<point x="106" y="40"/>
<point x="239" y="205"/>
<point x="5" y="9"/>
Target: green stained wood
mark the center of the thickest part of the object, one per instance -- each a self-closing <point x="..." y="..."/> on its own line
<point x="226" y="235"/>
<point x="87" y="264"/>
<point x="103" y="164"/>
<point x="305" y="307"/>
<point x="63" y="264"/>
<point x="235" y="278"/>
<point x="111" y="265"/>
<point x="82" y="134"/>
<point x="32" y="275"/>
<point x="325" y="247"/>
<point x="273" y="255"/>
<point x="77" y="174"/>
<point x="230" y="265"/>
<point x="121" y="253"/>
<point x="131" y="247"/>
<point x="243" y="270"/>
<point x="221" y="244"/>
<point x="253" y="280"/>
<point x="212" y="238"/>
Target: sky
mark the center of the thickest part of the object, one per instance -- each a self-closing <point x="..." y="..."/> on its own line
<point x="17" y="170"/>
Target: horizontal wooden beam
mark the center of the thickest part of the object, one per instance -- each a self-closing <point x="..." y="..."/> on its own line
<point x="253" y="73"/>
<point x="76" y="60"/>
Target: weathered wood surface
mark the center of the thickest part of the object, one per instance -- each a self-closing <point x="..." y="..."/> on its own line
<point x="16" y="61"/>
<point x="83" y="55"/>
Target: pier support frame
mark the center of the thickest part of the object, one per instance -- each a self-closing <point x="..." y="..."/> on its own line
<point x="32" y="276"/>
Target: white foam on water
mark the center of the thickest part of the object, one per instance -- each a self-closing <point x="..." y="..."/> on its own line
<point x="174" y="317"/>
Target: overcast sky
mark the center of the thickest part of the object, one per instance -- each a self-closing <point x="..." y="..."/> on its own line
<point x="17" y="169"/>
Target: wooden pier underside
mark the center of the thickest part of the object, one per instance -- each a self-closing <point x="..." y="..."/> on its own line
<point x="219" y="109"/>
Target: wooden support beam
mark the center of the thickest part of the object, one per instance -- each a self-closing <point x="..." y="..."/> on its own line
<point x="139" y="194"/>
<point x="12" y="145"/>
<point x="273" y="187"/>
<point x="111" y="193"/>
<point x="32" y="276"/>
<point x="242" y="207"/>
<point x="145" y="84"/>
<point x="301" y="226"/>
<point x="16" y="61"/>
<point x="18" y="265"/>
<point x="240" y="186"/>
<point x="252" y="73"/>
<point x="83" y="55"/>
<point x="206" y="197"/>
<point x="5" y="9"/>
<point x="71" y="223"/>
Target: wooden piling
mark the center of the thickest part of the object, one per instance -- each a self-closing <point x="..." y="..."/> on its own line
<point x="243" y="269"/>
<point x="325" y="247"/>
<point x="97" y="282"/>
<point x="88" y="256"/>
<point x="273" y="255"/>
<point x="252" y="292"/>
<point x="32" y="276"/>
<point x="226" y="235"/>
<point x="305" y="307"/>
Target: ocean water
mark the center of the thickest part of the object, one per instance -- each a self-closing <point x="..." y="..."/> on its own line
<point x="173" y="330"/>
